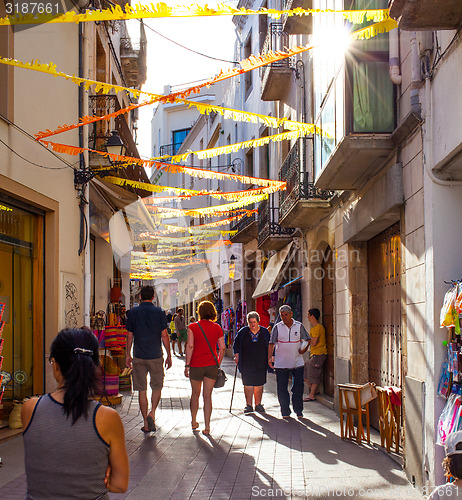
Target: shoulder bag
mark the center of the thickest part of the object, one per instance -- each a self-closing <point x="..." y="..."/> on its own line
<point x="221" y="379"/>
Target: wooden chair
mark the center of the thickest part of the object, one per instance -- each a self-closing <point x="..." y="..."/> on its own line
<point x="389" y="421"/>
<point x="351" y="407"/>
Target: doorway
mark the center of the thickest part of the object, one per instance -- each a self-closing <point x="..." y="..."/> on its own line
<point x="384" y="306"/>
<point x="328" y="319"/>
<point x="21" y="290"/>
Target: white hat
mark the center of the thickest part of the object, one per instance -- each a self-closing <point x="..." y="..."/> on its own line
<point x="451" y="443"/>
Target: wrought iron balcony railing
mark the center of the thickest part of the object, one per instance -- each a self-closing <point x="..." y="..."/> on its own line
<point x="299" y="187"/>
<point x="268" y="222"/>
<point x="276" y="39"/>
<point x="169" y="149"/>
<point x="104" y="104"/>
<point x="245" y="222"/>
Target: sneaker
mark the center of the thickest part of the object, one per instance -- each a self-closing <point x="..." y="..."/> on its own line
<point x="248" y="409"/>
<point x="260" y="409"/>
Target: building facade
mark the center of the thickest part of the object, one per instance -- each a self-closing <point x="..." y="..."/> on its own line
<point x="368" y="201"/>
<point x="57" y="264"/>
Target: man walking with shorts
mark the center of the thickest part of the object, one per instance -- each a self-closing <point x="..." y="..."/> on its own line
<point x="181" y="330"/>
<point x="147" y="331"/>
<point x="318" y="354"/>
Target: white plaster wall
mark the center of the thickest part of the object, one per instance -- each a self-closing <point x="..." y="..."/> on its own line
<point x="104" y="274"/>
<point x="41" y="102"/>
<point x="447" y="101"/>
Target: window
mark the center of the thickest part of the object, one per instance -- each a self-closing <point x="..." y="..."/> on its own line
<point x="178" y="136"/>
<point x="352" y="91"/>
<point x="248" y="75"/>
<point x="263" y="26"/>
<point x="264" y="157"/>
<point x="249" y="163"/>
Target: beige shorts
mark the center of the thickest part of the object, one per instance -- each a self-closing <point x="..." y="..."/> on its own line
<point x="141" y="368"/>
<point x="201" y="372"/>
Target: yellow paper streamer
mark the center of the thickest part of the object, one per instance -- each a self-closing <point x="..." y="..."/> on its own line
<point x="161" y="10"/>
<point x="190" y="192"/>
<point x="208" y="211"/>
<point x="233" y="148"/>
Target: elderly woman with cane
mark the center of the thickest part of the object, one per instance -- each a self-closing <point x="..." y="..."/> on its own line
<point x="251" y="357"/>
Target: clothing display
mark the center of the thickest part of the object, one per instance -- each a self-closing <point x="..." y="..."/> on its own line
<point x="241" y="314"/>
<point x="262" y="307"/>
<point x="228" y="324"/>
<point x="450" y="382"/>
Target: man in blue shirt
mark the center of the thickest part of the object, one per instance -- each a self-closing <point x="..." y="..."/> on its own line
<point x="147" y="330"/>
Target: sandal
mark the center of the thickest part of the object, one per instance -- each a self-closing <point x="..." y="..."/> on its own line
<point x="305" y="400"/>
<point x="145" y="431"/>
<point x="195" y="426"/>
<point x="151" y="424"/>
<point x="206" y="432"/>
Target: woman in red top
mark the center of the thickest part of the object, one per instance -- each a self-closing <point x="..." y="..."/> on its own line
<point x="200" y="362"/>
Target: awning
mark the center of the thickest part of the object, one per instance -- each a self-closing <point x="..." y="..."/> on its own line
<point x="272" y="271"/>
<point x="117" y="195"/>
<point x="123" y="199"/>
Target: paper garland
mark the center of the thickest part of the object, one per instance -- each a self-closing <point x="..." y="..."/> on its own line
<point x="233" y="148"/>
<point x="168" y="167"/>
<point x="232" y="195"/>
<point x="205" y="109"/>
<point x="161" y="10"/>
<point x="208" y="211"/>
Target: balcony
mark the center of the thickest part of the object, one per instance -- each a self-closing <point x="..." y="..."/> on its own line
<point x="426" y="14"/>
<point x="247" y="229"/>
<point x="271" y="235"/>
<point x="356" y="117"/>
<point x="301" y="204"/>
<point x="169" y="149"/>
<point x="275" y="77"/>
<point x="133" y="59"/>
<point x="104" y="104"/>
<point x="297" y="25"/>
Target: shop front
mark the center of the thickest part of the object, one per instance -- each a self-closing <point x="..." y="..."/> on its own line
<point x="22" y="293"/>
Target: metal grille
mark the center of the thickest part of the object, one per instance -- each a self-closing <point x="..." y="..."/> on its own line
<point x="384" y="305"/>
<point x="268" y="222"/>
<point x="241" y="224"/>
<point x="298" y="186"/>
<point x="276" y="40"/>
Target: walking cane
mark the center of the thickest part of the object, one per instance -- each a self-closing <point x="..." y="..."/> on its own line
<point x="232" y="394"/>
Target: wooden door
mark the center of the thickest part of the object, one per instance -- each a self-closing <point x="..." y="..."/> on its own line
<point x="328" y="319"/>
<point x="384" y="305"/>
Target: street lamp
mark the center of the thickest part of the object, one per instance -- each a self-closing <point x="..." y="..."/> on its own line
<point x="114" y="145"/>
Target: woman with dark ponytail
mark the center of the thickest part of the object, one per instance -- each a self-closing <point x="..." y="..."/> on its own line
<point x="74" y="447"/>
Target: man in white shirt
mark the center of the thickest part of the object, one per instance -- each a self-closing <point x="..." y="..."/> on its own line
<point x="285" y="354"/>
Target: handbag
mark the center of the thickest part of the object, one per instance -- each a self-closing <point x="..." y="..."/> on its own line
<point x="221" y="378"/>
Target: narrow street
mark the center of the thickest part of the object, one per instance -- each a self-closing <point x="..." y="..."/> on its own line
<point x="246" y="456"/>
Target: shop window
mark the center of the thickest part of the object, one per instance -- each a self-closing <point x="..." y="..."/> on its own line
<point x="21" y="289"/>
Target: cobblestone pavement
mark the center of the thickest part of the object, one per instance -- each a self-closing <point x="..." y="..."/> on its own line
<point x="246" y="456"/>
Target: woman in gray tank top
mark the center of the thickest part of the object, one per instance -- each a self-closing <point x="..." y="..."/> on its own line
<point x="74" y="447"/>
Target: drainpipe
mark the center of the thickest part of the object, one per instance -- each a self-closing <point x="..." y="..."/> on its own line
<point x="393" y="48"/>
<point x="84" y="201"/>
<point x="416" y="76"/>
